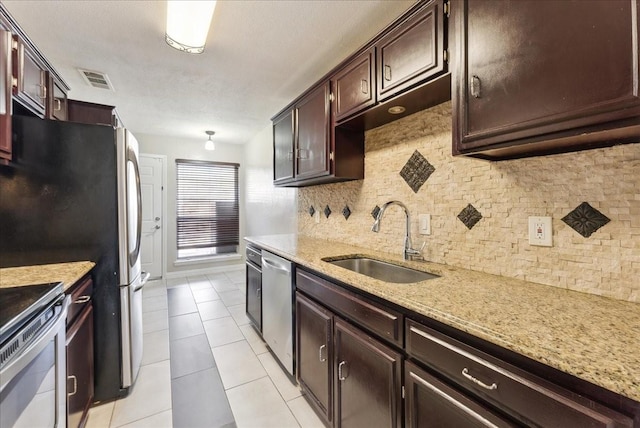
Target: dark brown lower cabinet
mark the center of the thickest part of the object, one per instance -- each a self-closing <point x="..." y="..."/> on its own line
<point x="431" y="403"/>
<point x="80" y="368"/>
<point x="368" y="375"/>
<point x="350" y="378"/>
<point x="314" y="326"/>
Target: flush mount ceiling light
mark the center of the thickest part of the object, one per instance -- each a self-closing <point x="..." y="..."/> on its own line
<point x="188" y="24"/>
<point x="396" y="110"/>
<point x="208" y="145"/>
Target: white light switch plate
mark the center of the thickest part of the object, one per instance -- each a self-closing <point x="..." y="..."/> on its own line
<point x="540" y="232"/>
<point x="424" y="224"/>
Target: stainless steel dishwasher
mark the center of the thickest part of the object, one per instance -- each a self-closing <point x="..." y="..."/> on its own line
<point x="277" y="307"/>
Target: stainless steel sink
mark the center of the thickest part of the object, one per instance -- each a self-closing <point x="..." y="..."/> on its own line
<point x="382" y="270"/>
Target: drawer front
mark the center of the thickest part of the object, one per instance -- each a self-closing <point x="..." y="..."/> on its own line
<point x="520" y="394"/>
<point x="381" y="321"/>
<point x="254" y="256"/>
<point x="81" y="295"/>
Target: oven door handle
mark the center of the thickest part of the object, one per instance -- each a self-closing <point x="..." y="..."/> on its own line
<point x="21" y="360"/>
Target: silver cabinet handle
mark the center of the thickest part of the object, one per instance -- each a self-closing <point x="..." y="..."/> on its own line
<point x="364" y="86"/>
<point x="258" y="292"/>
<point x="43" y="92"/>
<point x="475" y="86"/>
<point x="340" y="374"/>
<point x="82" y="299"/>
<point x="387" y="72"/>
<point x="75" y="385"/>
<point x="465" y="373"/>
<point x="322" y="360"/>
<point x="303" y="154"/>
<point x="57" y="104"/>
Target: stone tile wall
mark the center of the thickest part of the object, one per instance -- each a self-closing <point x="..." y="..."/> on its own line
<point x="505" y="193"/>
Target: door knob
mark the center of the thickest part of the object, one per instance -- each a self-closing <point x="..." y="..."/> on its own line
<point x="157" y="218"/>
<point x="157" y="227"/>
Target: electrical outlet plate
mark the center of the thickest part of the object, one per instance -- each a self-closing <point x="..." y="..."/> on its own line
<point x="424" y="224"/>
<point x="540" y="232"/>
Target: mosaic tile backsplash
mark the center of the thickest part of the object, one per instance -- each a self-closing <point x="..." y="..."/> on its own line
<point x="607" y="262"/>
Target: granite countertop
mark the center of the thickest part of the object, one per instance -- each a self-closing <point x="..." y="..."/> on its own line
<point x="68" y="273"/>
<point x="591" y="337"/>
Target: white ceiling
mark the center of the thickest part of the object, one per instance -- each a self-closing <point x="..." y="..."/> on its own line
<point x="259" y="56"/>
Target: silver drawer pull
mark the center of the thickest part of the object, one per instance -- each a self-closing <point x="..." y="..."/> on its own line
<point x="322" y="359"/>
<point x="340" y="374"/>
<point x="82" y="299"/>
<point x="465" y="373"/>
<point x="75" y="385"/>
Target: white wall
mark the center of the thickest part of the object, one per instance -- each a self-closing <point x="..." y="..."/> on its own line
<point x="268" y="210"/>
<point x="176" y="148"/>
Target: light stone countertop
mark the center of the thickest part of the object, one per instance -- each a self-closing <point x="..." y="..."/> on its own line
<point x="68" y="273"/>
<point x="593" y="338"/>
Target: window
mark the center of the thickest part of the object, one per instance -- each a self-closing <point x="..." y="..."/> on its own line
<point x="207" y="208"/>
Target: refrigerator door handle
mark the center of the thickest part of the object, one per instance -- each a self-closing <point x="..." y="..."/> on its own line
<point x="131" y="157"/>
<point x="143" y="281"/>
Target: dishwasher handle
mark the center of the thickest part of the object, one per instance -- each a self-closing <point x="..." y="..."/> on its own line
<point x="270" y="264"/>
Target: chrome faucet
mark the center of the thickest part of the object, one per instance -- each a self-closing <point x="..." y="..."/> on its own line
<point x="408" y="252"/>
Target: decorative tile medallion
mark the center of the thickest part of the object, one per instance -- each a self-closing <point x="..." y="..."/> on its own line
<point x="469" y="216"/>
<point x="312" y="211"/>
<point x="375" y="211"/>
<point x="327" y="211"/>
<point x="346" y="212"/>
<point x="416" y="171"/>
<point x="585" y="219"/>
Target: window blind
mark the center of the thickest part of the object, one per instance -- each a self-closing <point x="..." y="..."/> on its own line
<point x="207" y="204"/>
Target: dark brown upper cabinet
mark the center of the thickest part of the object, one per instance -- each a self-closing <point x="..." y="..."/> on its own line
<point x="354" y="86"/>
<point x="28" y="83"/>
<point x="312" y="136"/>
<point x="5" y="94"/>
<point x="283" y="147"/>
<point x="308" y="149"/>
<point x="411" y="52"/>
<point x="533" y="78"/>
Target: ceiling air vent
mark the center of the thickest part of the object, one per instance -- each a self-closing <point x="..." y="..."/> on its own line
<point x="96" y="79"/>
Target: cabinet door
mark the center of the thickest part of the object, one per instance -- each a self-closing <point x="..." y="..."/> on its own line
<point x="313" y="134"/>
<point x="57" y="102"/>
<point x="368" y="385"/>
<point x="431" y="403"/>
<point x="31" y="75"/>
<point x="524" y="70"/>
<point x="283" y="149"/>
<point x="354" y="86"/>
<point x="254" y="295"/>
<point x="80" y="368"/>
<point x="412" y="52"/>
<point x="314" y="354"/>
<point x="5" y="94"/>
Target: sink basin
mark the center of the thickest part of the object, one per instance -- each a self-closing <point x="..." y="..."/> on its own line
<point x="382" y="270"/>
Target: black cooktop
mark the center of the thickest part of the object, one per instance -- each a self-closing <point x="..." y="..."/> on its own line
<point x="19" y="304"/>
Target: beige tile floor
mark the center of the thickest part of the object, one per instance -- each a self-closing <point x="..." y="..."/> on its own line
<point x="259" y="393"/>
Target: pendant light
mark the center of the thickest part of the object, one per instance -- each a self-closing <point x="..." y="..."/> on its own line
<point x="208" y="145"/>
<point x="188" y="24"/>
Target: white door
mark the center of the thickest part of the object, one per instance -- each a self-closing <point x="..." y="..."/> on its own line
<point x="151" y="175"/>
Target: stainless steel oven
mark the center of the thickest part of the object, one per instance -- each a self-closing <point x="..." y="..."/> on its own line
<point x="32" y="357"/>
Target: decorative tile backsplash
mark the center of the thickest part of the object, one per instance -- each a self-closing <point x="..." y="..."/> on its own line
<point x="469" y="216"/>
<point x="585" y="219"/>
<point x="416" y="171"/>
<point x="505" y="193"/>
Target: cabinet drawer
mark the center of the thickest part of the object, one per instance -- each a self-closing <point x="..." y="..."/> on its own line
<point x="254" y="256"/>
<point x="80" y="298"/>
<point x="384" y="322"/>
<point x="524" y="396"/>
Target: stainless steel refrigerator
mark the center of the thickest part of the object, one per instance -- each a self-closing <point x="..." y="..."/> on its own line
<point x="72" y="192"/>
